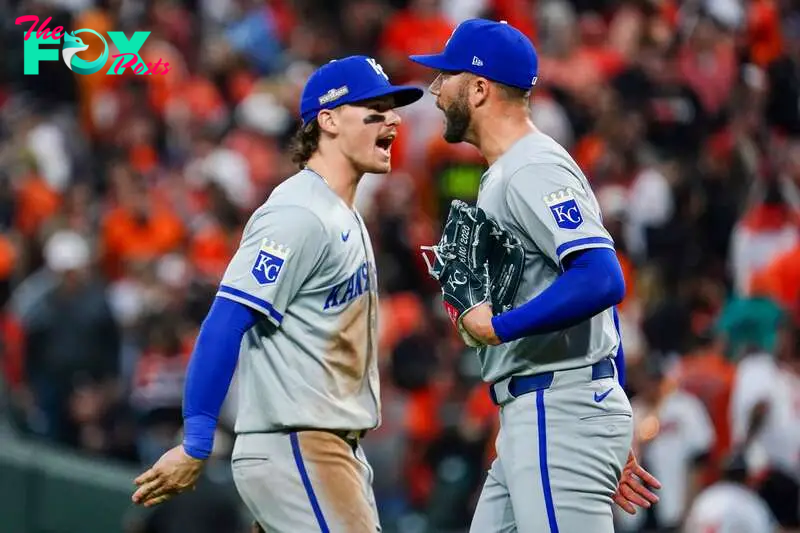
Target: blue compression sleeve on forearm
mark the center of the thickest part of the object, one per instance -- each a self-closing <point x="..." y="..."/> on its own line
<point x="620" y="358"/>
<point x="210" y="372"/>
<point x="591" y="283"/>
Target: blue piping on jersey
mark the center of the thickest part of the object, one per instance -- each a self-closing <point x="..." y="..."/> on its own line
<point x="312" y="498"/>
<point x="211" y="369"/>
<point x="545" y="473"/>
<point x="620" y="358"/>
<point x="591" y="283"/>
<point x="567" y="246"/>
<point x="263" y="304"/>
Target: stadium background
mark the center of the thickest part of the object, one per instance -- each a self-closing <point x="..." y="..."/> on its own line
<point x="122" y="198"/>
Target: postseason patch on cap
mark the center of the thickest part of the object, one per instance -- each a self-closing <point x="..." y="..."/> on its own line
<point x="333" y="94"/>
<point x="564" y="208"/>
<point x="269" y="262"/>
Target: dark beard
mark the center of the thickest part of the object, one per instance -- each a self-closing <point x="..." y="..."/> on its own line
<point x="456" y="122"/>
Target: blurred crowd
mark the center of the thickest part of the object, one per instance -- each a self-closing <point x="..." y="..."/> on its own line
<point x="123" y="197"/>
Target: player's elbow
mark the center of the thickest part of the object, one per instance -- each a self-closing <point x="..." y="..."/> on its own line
<point x="604" y="278"/>
<point x="612" y="287"/>
<point x="616" y="289"/>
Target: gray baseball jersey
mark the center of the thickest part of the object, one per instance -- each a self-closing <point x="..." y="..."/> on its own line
<point x="537" y="191"/>
<point x="306" y="263"/>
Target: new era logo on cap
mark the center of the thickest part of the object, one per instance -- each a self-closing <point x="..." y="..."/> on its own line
<point x="476" y="61"/>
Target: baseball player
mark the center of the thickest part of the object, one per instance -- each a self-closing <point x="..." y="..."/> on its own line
<point x="563" y="449"/>
<point x="299" y="301"/>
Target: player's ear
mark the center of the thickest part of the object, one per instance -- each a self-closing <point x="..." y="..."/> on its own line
<point x="479" y="91"/>
<point x="328" y="121"/>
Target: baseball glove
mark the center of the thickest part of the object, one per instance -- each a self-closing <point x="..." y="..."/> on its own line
<point x="506" y="261"/>
<point x="461" y="263"/>
<point x="475" y="261"/>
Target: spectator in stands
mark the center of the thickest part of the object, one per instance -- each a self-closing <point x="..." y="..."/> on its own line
<point x="674" y="438"/>
<point x="157" y="388"/>
<point x="767" y="230"/>
<point x="730" y="505"/>
<point x="767" y="424"/>
<point x="420" y="28"/>
<point x="70" y="333"/>
<point x="706" y="374"/>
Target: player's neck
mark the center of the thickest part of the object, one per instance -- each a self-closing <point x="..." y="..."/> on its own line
<point x="494" y="137"/>
<point x="339" y="174"/>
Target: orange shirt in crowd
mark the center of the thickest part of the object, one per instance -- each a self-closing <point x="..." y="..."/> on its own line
<point x="518" y="13"/>
<point x="261" y="154"/>
<point x="91" y="86"/>
<point x="403" y="315"/>
<point x="125" y="238"/>
<point x="709" y="376"/>
<point x="210" y="251"/>
<point x="780" y="281"/>
<point x="629" y="276"/>
<point x="764" y="32"/>
<point x="582" y="69"/>
<point x="143" y="158"/>
<point x="408" y="33"/>
<point x="422" y="428"/>
<point x="588" y="152"/>
<point x="12" y="356"/>
<point x="481" y="412"/>
<point x="36" y="203"/>
<point x="711" y="75"/>
<point x="200" y="97"/>
<point x="12" y="351"/>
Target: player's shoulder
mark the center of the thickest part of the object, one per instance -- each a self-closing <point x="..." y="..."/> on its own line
<point x="303" y="189"/>
<point x="298" y="199"/>
<point x="538" y="148"/>
<point x="538" y="154"/>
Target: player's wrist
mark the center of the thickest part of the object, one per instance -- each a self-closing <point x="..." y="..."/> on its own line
<point x="198" y="435"/>
<point x="195" y="453"/>
<point x="498" y="328"/>
<point x="478" y="323"/>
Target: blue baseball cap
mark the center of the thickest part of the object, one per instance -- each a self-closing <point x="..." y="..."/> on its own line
<point x="494" y="50"/>
<point x="350" y="80"/>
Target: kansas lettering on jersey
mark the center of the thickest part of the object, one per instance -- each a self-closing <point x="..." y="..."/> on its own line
<point x="356" y="285"/>
<point x="312" y="361"/>
<point x="538" y="192"/>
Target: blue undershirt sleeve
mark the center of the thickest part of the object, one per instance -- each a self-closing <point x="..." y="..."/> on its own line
<point x="591" y="283"/>
<point x="211" y="370"/>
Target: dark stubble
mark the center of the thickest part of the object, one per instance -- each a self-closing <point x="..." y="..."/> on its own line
<point x="457" y="118"/>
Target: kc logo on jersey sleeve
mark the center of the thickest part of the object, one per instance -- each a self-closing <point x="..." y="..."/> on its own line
<point x="564" y="207"/>
<point x="269" y="262"/>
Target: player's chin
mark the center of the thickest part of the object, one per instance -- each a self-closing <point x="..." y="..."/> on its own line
<point x="380" y="162"/>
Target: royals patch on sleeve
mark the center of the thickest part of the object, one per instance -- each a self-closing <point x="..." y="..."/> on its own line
<point x="564" y="208"/>
<point x="269" y="262"/>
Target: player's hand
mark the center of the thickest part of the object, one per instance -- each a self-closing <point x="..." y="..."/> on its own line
<point x="632" y="489"/>
<point x="173" y="473"/>
<point x="478" y="323"/>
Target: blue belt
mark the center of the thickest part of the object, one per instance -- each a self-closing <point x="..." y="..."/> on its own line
<point x="520" y="385"/>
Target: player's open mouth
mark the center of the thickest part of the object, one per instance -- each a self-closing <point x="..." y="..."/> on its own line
<point x="384" y="144"/>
